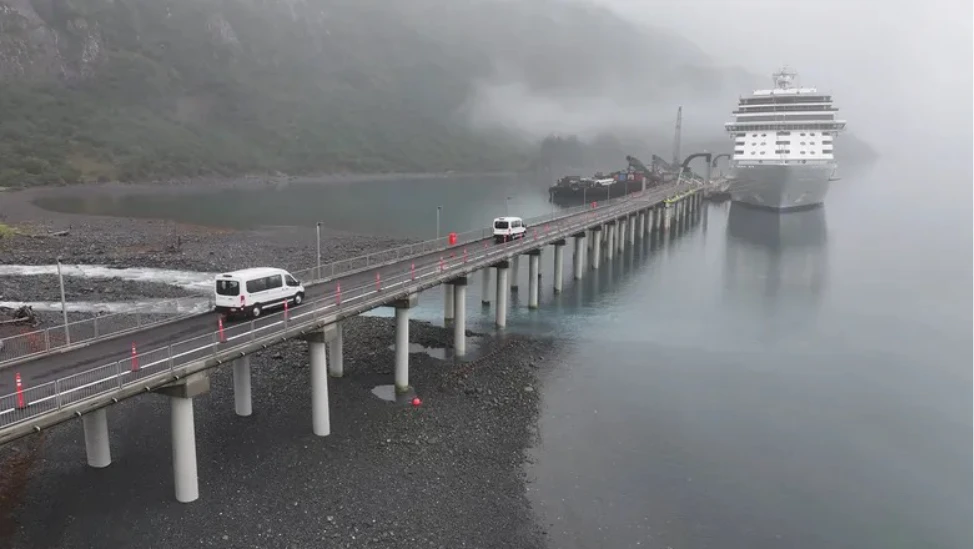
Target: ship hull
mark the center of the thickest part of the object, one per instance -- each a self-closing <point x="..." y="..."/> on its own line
<point x="567" y="195"/>
<point x="784" y="186"/>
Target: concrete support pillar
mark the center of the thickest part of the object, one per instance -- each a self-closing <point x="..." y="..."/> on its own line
<point x="559" y="264"/>
<point x="632" y="229"/>
<point x="596" y="247"/>
<point x="640" y="224"/>
<point x="460" y="317"/>
<point x="402" y="341"/>
<point x="623" y="226"/>
<point x="185" y="474"/>
<point x="242" y="402"/>
<point x="578" y="260"/>
<point x="485" y="286"/>
<point x="336" y="355"/>
<point x="651" y="215"/>
<point x="515" y="261"/>
<point x="610" y="246"/>
<point x="97" y="449"/>
<point x="534" y="262"/>
<point x="447" y="303"/>
<point x="502" y="285"/>
<point x="320" y="413"/>
<point x="667" y="217"/>
<point x="181" y="395"/>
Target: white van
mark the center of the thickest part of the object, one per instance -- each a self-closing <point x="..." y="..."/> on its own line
<point x="250" y="291"/>
<point x="508" y="228"/>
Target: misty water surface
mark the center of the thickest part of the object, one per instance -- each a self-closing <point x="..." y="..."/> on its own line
<point x="800" y="380"/>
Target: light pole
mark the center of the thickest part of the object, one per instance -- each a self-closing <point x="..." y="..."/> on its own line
<point x="64" y="308"/>
<point x="438" y="208"/>
<point x="318" y="238"/>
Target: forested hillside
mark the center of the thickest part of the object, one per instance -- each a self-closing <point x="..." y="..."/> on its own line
<point x="143" y="89"/>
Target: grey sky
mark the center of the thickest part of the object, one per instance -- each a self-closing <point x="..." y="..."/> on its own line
<point x="889" y="63"/>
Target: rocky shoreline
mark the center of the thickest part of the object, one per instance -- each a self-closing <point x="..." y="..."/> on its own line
<point x="446" y="474"/>
<point x="145" y="243"/>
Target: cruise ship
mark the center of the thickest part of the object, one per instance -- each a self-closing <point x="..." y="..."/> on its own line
<point x="783" y="145"/>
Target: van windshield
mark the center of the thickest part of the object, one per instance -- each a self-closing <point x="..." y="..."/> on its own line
<point x="500" y="225"/>
<point x="227" y="287"/>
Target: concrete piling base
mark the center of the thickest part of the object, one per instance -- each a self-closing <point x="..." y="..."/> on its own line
<point x="500" y="314"/>
<point x="185" y="474"/>
<point x="181" y="394"/>
<point x="515" y="261"/>
<point x="97" y="447"/>
<point x="402" y="341"/>
<point x="596" y="248"/>
<point x="334" y="336"/>
<point x="559" y="265"/>
<point x="460" y="317"/>
<point x="320" y="413"/>
<point x="485" y="286"/>
<point x="534" y="261"/>
<point x="447" y="303"/>
<point x="242" y="402"/>
<point x="578" y="259"/>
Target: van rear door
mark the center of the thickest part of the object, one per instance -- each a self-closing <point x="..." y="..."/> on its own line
<point x="227" y="292"/>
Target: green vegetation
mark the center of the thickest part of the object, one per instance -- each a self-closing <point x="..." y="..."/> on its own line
<point x="190" y="87"/>
<point x="8" y="231"/>
<point x="129" y="90"/>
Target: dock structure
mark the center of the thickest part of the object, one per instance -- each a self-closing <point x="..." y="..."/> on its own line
<point x="83" y="379"/>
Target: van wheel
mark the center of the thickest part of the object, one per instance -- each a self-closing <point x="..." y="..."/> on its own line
<point x="298" y="298"/>
<point x="255" y="311"/>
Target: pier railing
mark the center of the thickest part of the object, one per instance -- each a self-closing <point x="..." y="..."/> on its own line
<point x="156" y="366"/>
<point x="36" y="343"/>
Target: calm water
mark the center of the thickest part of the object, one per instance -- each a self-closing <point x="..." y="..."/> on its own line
<point x="402" y="208"/>
<point x="801" y="380"/>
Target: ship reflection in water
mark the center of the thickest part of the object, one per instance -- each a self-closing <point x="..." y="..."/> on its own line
<point x="779" y="260"/>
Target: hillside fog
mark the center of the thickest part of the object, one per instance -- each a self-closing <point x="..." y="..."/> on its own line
<point x="144" y="89"/>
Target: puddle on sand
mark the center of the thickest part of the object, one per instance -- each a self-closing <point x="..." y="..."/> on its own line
<point x="442" y="353"/>
<point x="435" y="352"/>
<point x="388" y="393"/>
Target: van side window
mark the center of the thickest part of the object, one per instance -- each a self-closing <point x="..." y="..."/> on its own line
<point x="517" y="223"/>
<point x="256" y="285"/>
<point x="274" y="282"/>
<point x="290" y="281"/>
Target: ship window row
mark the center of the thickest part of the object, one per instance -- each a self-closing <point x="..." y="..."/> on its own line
<point x="784" y="108"/>
<point x="785" y="99"/>
<point x="787" y="117"/>
<point x="831" y="127"/>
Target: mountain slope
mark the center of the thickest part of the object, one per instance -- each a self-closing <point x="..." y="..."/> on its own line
<point x="140" y="89"/>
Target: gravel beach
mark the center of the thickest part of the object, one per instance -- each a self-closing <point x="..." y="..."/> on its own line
<point x="446" y="474"/>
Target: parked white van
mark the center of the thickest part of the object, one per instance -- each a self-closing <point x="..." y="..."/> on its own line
<point x="508" y="228"/>
<point x="250" y="291"/>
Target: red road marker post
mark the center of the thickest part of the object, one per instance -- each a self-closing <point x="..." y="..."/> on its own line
<point x="338" y="293"/>
<point x="135" y="359"/>
<point x="285" y="309"/>
<point x="378" y="282"/>
<point x="223" y="338"/>
<point x="412" y="271"/>
<point x="20" y="393"/>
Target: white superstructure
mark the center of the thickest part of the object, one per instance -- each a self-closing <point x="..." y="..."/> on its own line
<point x="783" y="145"/>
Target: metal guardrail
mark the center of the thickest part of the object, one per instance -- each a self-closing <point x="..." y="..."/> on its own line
<point x="165" y="363"/>
<point x="39" y="343"/>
